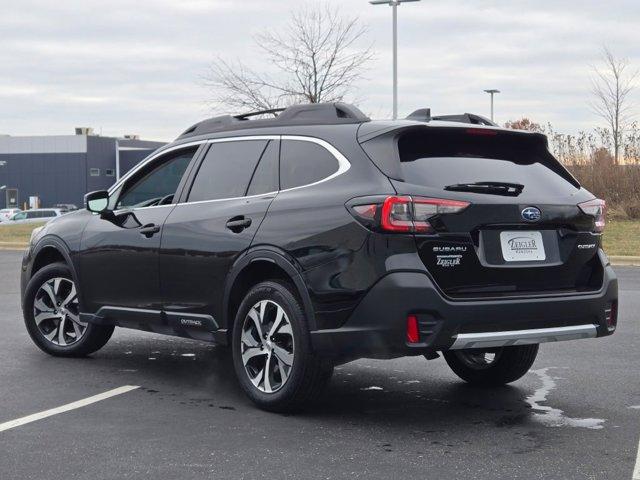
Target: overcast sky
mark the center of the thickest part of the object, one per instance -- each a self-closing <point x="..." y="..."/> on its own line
<point x="135" y="66"/>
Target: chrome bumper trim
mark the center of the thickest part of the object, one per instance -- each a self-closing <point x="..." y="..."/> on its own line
<point x="522" y="337"/>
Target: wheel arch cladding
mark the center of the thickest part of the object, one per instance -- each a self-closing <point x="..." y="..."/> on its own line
<point x="49" y="251"/>
<point x="258" y="267"/>
<point x="47" y="255"/>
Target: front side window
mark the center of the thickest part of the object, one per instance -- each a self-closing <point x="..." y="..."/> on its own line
<point x="156" y="183"/>
<point x="304" y="163"/>
<point x="226" y="170"/>
<point x="19" y="216"/>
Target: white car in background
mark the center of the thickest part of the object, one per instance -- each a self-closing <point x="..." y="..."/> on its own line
<point x="34" y="216"/>
<point x="7" y="213"/>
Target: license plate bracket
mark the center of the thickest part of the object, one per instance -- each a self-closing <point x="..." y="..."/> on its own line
<point x="522" y="246"/>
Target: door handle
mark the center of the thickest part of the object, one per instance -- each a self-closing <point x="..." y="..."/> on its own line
<point x="149" y="230"/>
<point x="237" y="224"/>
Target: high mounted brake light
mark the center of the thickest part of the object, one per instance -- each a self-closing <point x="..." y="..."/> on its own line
<point x="405" y="214"/>
<point x="481" y="131"/>
<point x="597" y="208"/>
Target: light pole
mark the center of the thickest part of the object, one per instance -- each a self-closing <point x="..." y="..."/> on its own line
<point x="492" y="92"/>
<point x="394" y="5"/>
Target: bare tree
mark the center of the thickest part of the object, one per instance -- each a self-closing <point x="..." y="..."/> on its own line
<point x="314" y="59"/>
<point x="612" y="85"/>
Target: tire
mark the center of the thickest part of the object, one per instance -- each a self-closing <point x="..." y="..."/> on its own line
<point x="51" y="301"/>
<point x="508" y="364"/>
<point x="284" y="388"/>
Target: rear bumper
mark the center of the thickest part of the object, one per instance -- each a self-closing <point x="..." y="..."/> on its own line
<point x="377" y="327"/>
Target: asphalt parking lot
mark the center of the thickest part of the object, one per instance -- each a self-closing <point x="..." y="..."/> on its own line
<point x="575" y="416"/>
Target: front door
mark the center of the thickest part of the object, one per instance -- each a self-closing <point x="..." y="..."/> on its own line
<point x="119" y="253"/>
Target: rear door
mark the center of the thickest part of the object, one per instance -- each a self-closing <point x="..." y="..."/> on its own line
<point x="213" y="224"/>
<point x="523" y="232"/>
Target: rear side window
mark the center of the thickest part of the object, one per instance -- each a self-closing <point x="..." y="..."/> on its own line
<point x="447" y="157"/>
<point x="303" y="163"/>
<point x="226" y="170"/>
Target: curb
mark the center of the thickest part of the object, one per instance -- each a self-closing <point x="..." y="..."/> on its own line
<point x="624" y="261"/>
<point x="13" y="246"/>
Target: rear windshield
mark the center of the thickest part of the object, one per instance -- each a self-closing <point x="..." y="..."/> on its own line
<point x="445" y="157"/>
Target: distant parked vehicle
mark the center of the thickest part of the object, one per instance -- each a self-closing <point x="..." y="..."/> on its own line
<point x="35" y="215"/>
<point x="66" y="207"/>
<point x="7" y="213"/>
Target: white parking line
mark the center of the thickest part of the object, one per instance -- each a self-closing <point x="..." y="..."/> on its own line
<point x="636" y="471"/>
<point x="65" y="408"/>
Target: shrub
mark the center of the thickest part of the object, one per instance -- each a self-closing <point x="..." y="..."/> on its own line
<point x="633" y="210"/>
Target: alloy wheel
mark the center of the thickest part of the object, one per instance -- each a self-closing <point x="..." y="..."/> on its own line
<point x="267" y="346"/>
<point x="56" y="312"/>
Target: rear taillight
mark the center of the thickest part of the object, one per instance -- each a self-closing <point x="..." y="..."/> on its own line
<point x="397" y="215"/>
<point x="596" y="208"/>
<point x="405" y="214"/>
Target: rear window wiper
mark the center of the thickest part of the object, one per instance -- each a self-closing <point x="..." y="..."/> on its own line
<point x="492" y="188"/>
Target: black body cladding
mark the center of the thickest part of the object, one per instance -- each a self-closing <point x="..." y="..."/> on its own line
<point x="260" y="200"/>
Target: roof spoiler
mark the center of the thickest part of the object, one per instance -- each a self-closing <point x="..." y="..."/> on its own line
<point x="424" y="115"/>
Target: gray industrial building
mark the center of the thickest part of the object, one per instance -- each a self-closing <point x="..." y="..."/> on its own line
<point x="62" y="168"/>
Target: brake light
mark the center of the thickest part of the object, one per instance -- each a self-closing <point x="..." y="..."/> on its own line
<point x="481" y="131"/>
<point x="397" y="215"/>
<point x="597" y="208"/>
<point x="405" y="214"/>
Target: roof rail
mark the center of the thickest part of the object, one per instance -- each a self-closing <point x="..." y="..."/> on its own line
<point x="312" y="113"/>
<point x="271" y="111"/>
<point x="424" y="115"/>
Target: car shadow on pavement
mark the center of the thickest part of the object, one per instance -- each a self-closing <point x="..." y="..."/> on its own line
<point x="194" y="373"/>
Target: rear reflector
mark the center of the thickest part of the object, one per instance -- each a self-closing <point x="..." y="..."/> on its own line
<point x="611" y="316"/>
<point x="413" y="335"/>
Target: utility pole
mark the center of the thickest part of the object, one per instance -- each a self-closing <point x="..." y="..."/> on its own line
<point x="394" y="5"/>
<point x="492" y="92"/>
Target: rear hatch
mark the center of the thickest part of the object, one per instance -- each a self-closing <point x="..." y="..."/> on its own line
<point x="523" y="231"/>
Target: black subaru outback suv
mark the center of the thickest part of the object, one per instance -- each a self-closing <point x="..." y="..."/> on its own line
<point x="319" y="237"/>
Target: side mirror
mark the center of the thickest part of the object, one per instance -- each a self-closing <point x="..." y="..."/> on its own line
<point x="97" y="202"/>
